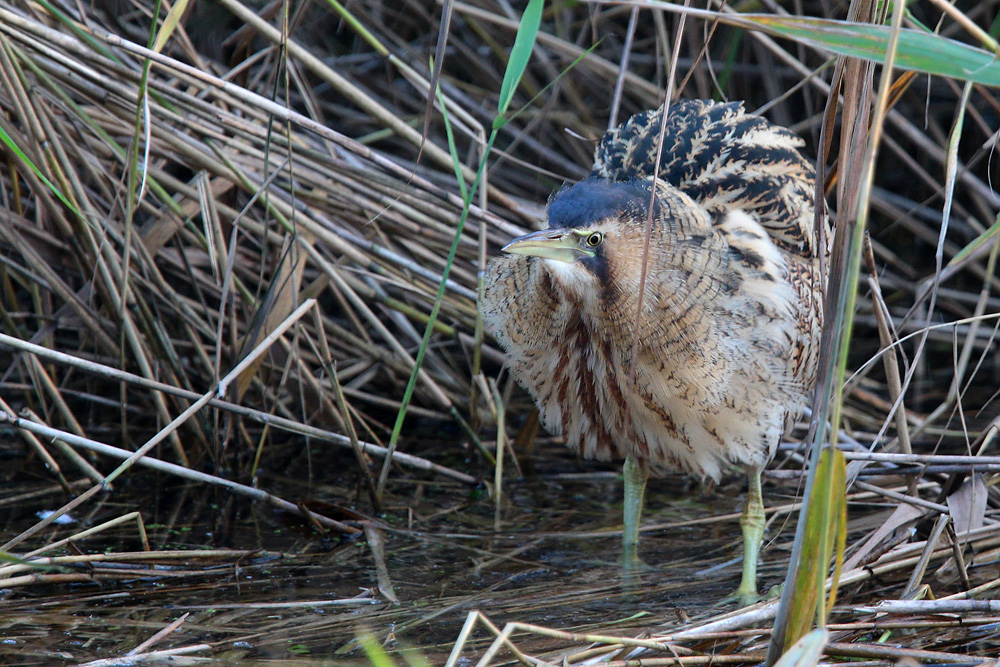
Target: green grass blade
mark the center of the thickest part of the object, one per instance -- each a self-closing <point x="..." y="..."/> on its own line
<point x="456" y="163"/>
<point x="78" y="32"/>
<point x="9" y="142"/>
<point x="37" y="567"/>
<point x="977" y="243"/>
<point x="500" y="121"/>
<point x="838" y="532"/>
<point x="524" y="43"/>
<point x="397" y="428"/>
<point x="170" y="24"/>
<point x="917" y="50"/>
<point x="824" y="537"/>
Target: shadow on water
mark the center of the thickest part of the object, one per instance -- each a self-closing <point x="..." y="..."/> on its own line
<point x="285" y="592"/>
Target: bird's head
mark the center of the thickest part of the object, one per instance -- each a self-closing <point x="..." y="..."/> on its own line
<point x="592" y="224"/>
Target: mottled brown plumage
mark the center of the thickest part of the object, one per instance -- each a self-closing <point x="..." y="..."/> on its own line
<point x="731" y="308"/>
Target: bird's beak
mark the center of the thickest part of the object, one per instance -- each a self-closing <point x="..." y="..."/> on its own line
<point x="559" y="244"/>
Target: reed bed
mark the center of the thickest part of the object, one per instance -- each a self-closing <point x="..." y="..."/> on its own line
<point x="220" y="249"/>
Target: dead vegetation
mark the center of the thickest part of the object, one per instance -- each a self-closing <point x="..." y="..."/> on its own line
<point x="286" y="199"/>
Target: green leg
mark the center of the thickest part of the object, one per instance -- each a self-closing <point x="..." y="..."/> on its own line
<point x="635" y="474"/>
<point x="752" y="523"/>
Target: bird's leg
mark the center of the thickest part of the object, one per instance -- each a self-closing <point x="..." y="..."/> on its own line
<point x="752" y="523"/>
<point x="635" y="474"/>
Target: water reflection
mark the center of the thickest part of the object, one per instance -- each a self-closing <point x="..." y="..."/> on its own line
<point x="286" y="592"/>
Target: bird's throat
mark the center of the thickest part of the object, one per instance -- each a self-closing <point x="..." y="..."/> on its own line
<point x="573" y="279"/>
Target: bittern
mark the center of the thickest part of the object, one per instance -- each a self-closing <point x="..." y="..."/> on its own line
<point x="722" y="355"/>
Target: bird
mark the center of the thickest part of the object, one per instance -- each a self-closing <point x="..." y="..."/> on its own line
<point x="720" y="357"/>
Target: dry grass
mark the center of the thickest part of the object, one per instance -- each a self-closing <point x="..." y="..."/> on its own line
<point x="282" y="157"/>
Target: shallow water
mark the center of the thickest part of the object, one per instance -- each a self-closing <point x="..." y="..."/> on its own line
<point x="299" y="597"/>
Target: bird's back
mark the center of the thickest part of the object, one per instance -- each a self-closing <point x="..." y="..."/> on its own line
<point x="724" y="159"/>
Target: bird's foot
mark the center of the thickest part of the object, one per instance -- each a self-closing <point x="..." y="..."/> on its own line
<point x="631" y="562"/>
<point x="741" y="598"/>
<point x="747" y="597"/>
<point x="633" y="569"/>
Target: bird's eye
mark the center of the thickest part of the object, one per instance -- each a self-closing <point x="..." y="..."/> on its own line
<point x="595" y="239"/>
